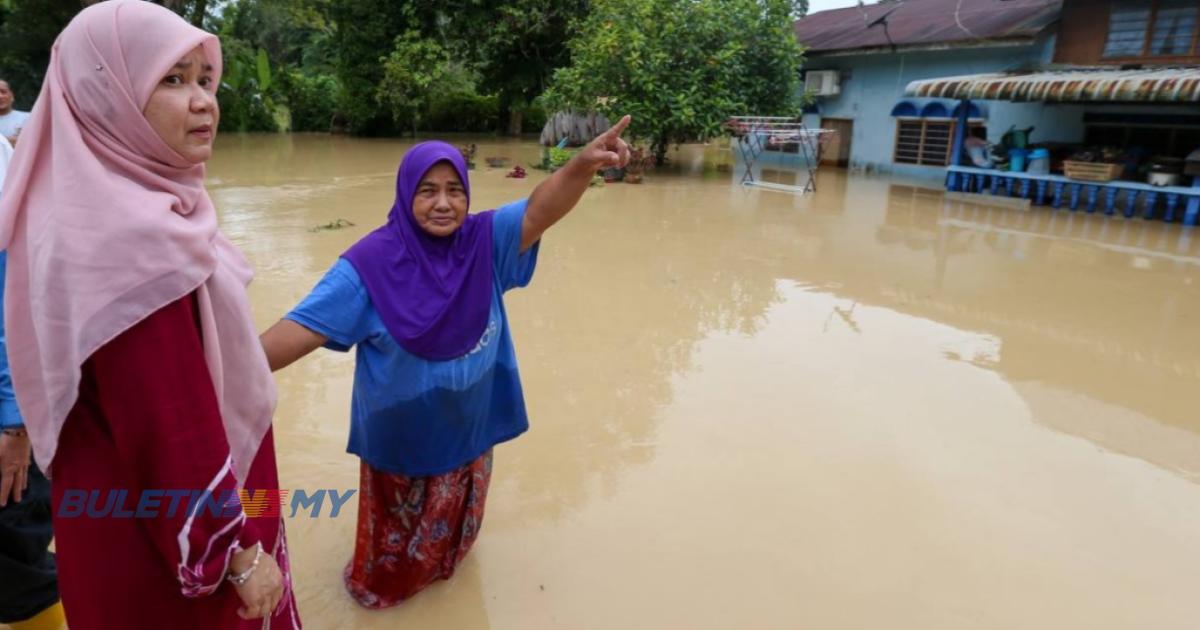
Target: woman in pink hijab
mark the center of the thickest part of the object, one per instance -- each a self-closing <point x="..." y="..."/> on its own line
<point x="134" y="357"/>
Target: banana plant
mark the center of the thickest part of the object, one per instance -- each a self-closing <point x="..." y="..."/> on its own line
<point x="246" y="87"/>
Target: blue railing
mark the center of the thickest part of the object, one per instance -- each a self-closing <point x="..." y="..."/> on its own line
<point x="1168" y="203"/>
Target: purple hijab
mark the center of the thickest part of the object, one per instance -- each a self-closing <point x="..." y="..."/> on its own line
<point x="433" y="294"/>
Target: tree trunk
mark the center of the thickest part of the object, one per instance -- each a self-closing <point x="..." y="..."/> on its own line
<point x="198" y="11"/>
<point x="660" y="150"/>
<point x="514" y="122"/>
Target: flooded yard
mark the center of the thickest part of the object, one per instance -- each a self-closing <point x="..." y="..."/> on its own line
<point x="870" y="407"/>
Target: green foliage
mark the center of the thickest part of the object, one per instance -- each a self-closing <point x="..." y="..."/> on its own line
<point x="515" y="45"/>
<point x="462" y="111"/>
<point x="416" y="68"/>
<point x="277" y="51"/>
<point x="262" y="66"/>
<point x="511" y="48"/>
<point x="533" y="117"/>
<point x="448" y="102"/>
<point x="681" y="67"/>
<point x="246" y="104"/>
<point x="311" y="99"/>
<point x="363" y="32"/>
<point x="558" y="158"/>
<point x="27" y="30"/>
<point x="194" y="11"/>
<point x="292" y="64"/>
<point x="294" y="33"/>
<point x="465" y="65"/>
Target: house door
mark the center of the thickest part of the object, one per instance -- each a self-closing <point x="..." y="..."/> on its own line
<point x="836" y="151"/>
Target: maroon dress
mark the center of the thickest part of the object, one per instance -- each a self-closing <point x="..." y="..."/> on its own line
<point x="147" y="418"/>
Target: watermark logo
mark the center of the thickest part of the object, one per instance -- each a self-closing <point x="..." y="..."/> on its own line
<point x="156" y="503"/>
<point x="263" y="502"/>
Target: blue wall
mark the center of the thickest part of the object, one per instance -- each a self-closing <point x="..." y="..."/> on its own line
<point x="876" y="83"/>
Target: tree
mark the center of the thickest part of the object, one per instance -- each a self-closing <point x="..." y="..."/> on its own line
<point x="509" y="48"/>
<point x="295" y="33"/>
<point x="364" y="32"/>
<point x="514" y="45"/>
<point x="681" y="67"/>
<point x="296" y="37"/>
<point x="523" y="48"/>
<point x="416" y="67"/>
<point x="28" y="30"/>
<point x="245" y="89"/>
<point x="518" y="45"/>
<point x="193" y="10"/>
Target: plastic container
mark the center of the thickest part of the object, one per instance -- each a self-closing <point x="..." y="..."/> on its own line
<point x="1163" y="179"/>
<point x="1017" y="138"/>
<point x="1016" y="159"/>
<point x="1039" y="162"/>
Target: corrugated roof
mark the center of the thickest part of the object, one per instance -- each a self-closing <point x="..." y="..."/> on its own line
<point x="926" y="23"/>
<point x="1160" y="85"/>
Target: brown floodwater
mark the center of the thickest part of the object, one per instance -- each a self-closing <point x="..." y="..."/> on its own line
<point x="871" y="407"/>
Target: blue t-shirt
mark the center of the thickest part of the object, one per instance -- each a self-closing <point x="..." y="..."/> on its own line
<point x="416" y="417"/>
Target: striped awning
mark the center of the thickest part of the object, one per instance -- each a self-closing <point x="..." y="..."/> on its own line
<point x="1161" y="85"/>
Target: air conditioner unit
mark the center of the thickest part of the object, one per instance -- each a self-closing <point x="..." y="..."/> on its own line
<point x="822" y="82"/>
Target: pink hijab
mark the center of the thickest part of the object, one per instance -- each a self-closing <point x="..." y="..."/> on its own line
<point x="105" y="224"/>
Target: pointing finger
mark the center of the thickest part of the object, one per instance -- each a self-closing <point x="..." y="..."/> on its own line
<point x="619" y="128"/>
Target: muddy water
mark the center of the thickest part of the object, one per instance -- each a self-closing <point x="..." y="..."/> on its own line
<point x="865" y="408"/>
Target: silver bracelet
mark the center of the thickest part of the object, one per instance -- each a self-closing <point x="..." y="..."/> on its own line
<point x="242" y="578"/>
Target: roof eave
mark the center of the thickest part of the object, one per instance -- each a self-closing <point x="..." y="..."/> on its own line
<point x="1005" y="42"/>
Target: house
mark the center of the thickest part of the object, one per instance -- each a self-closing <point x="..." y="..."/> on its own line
<point x="1082" y="73"/>
<point x="859" y="61"/>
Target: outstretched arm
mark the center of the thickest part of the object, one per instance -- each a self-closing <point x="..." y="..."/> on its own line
<point x="287" y="342"/>
<point x="555" y="197"/>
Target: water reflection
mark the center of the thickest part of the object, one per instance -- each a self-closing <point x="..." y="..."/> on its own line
<point x="625" y="291"/>
<point x="1091" y="307"/>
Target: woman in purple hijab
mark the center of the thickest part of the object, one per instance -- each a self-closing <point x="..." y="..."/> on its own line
<point x="436" y="385"/>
